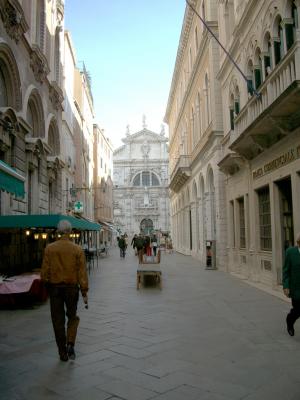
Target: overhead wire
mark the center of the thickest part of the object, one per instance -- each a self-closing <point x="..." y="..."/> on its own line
<point x="250" y="87"/>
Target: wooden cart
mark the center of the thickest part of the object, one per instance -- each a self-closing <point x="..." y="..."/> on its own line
<point x="149" y="268"/>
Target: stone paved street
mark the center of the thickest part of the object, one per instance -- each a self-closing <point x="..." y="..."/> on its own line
<point x="205" y="336"/>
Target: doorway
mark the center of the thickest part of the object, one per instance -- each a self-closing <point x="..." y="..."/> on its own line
<point x="286" y="215"/>
<point x="146" y="226"/>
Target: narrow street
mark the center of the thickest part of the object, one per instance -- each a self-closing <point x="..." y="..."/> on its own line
<point x="205" y="336"/>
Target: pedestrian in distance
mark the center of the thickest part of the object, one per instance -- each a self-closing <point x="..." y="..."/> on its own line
<point x="64" y="274"/>
<point x="291" y="283"/>
<point x="154" y="245"/>
<point x="140" y="242"/>
<point x="122" y="246"/>
<point x="133" y="244"/>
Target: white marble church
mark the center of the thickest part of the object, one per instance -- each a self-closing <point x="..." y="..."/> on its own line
<point x="141" y="202"/>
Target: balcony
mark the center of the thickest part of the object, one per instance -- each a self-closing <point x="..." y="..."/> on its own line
<point x="181" y="173"/>
<point x="231" y="164"/>
<point x="266" y="120"/>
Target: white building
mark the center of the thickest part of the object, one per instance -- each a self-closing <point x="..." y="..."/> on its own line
<point x="194" y="116"/>
<point x="261" y="145"/>
<point x="140" y="194"/>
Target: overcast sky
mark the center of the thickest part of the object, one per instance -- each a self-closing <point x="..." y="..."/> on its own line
<point x="129" y="48"/>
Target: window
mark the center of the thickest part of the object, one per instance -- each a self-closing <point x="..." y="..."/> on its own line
<point x="264" y="218"/>
<point x="242" y="223"/>
<point x="257" y="69"/>
<point x="278" y="43"/>
<point x="155" y="181"/>
<point x="231" y="112"/>
<point x="145" y="178"/>
<point x="290" y="29"/>
<point x="250" y="74"/>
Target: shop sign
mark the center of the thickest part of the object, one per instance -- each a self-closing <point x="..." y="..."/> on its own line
<point x="78" y="207"/>
<point x="285" y="158"/>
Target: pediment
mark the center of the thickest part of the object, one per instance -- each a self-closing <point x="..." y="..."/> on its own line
<point x="145" y="135"/>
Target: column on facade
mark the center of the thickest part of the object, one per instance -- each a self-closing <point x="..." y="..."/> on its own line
<point x="195" y="226"/>
<point x="202" y="227"/>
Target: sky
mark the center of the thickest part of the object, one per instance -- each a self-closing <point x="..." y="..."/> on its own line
<point x="129" y="48"/>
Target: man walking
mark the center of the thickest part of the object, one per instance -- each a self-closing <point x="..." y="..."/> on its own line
<point x="122" y="246"/>
<point x="291" y="283"/>
<point x="139" y="243"/>
<point x="64" y="272"/>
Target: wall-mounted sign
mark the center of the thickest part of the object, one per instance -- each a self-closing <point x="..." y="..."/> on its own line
<point x="78" y="207"/>
<point x="285" y="158"/>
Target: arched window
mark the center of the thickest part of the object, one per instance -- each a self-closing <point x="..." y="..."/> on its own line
<point x="290" y="28"/>
<point x="250" y="75"/>
<point x="53" y="139"/>
<point x="231" y="111"/>
<point x="3" y="91"/>
<point x="278" y="41"/>
<point x="268" y="54"/>
<point x="145" y="179"/>
<point x="35" y="115"/>
<point x="257" y="69"/>
<point x="236" y="101"/>
<point x="30" y="119"/>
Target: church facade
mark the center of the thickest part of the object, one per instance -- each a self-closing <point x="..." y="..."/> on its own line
<point x="140" y="193"/>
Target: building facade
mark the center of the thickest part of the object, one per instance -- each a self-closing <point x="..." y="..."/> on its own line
<point x="261" y="145"/>
<point x="31" y="97"/>
<point x="140" y="190"/>
<point x="194" y="116"/>
<point x="46" y="114"/>
<point x="102" y="184"/>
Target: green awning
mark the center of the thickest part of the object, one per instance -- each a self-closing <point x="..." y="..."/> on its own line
<point x="45" y="221"/>
<point x="11" y="181"/>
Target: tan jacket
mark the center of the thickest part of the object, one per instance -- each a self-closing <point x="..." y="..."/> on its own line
<point x="64" y="262"/>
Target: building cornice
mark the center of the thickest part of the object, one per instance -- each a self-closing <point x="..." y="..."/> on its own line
<point x="184" y="36"/>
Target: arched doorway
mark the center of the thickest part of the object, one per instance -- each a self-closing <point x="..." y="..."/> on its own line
<point x="146" y="226"/>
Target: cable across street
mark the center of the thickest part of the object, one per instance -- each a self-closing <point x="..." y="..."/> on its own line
<point x="250" y="87"/>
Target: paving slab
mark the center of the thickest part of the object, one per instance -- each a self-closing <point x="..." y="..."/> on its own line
<point x="207" y="335"/>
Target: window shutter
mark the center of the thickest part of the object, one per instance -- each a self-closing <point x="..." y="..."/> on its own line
<point x="289" y="32"/>
<point x="231" y="119"/>
<point x="257" y="76"/>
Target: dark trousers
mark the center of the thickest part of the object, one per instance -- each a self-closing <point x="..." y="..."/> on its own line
<point x="63" y="302"/>
<point x="294" y="314"/>
<point x="122" y="252"/>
